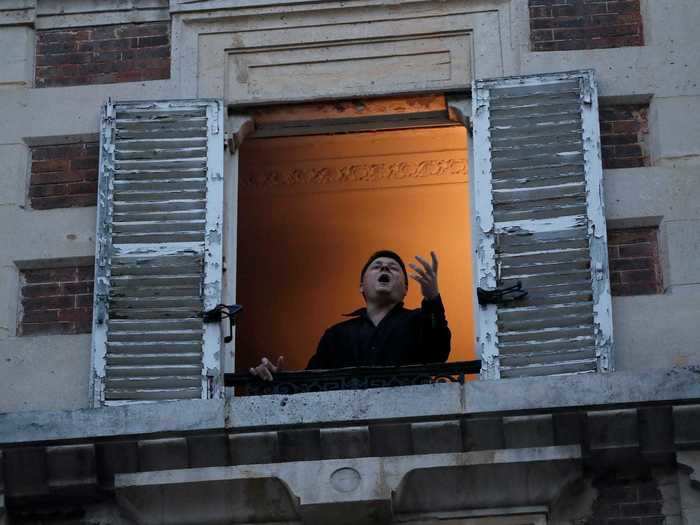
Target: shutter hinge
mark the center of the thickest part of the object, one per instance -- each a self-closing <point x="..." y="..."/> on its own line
<point x="599" y="271"/>
<point x="109" y="111"/>
<point x="215" y="119"/>
<point x="101" y="308"/>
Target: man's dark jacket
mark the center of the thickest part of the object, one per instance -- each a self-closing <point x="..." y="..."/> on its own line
<point x="403" y="337"/>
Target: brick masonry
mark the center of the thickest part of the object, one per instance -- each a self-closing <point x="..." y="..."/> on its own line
<point x="64" y="175"/>
<point x="635" y="266"/>
<point x="627" y="502"/>
<point x="566" y="25"/>
<point x="102" y="54"/>
<point x="624" y="129"/>
<point x="56" y="300"/>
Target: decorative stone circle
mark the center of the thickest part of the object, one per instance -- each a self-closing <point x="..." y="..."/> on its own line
<point x="345" y="479"/>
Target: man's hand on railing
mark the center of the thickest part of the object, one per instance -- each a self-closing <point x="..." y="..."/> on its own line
<point x="265" y="369"/>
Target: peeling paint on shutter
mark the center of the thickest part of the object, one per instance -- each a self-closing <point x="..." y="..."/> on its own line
<point x="540" y="221"/>
<point x="159" y="251"/>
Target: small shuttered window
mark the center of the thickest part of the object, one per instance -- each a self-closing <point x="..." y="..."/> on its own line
<point x="540" y="222"/>
<point x="158" y="255"/>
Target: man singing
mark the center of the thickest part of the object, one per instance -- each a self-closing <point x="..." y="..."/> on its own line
<point x="384" y="333"/>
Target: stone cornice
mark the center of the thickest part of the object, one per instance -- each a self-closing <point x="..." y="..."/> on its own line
<point x="475" y="398"/>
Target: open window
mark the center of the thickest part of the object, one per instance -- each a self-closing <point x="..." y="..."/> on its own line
<point x="309" y="197"/>
<point x="321" y="187"/>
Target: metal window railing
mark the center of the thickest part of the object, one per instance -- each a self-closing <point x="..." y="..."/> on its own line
<point x="352" y="378"/>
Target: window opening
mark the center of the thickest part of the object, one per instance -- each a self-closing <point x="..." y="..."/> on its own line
<point x="312" y="208"/>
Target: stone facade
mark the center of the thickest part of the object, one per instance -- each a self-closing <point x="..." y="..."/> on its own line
<point x="619" y="448"/>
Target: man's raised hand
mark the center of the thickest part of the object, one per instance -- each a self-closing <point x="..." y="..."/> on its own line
<point x="265" y="369"/>
<point x="427" y="276"/>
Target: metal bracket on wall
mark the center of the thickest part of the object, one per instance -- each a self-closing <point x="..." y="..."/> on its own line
<point x="223" y="311"/>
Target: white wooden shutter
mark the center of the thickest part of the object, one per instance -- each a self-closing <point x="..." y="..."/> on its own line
<point x="158" y="256"/>
<point x="540" y="220"/>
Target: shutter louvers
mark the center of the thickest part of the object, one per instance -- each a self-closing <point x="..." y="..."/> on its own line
<point x="159" y="258"/>
<point x="541" y="222"/>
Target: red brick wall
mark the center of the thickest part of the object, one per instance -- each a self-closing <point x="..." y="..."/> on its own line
<point x="564" y="25"/>
<point x="102" y="54"/>
<point x="635" y="267"/>
<point x="56" y="300"/>
<point x="64" y="175"/>
<point x="623" y="135"/>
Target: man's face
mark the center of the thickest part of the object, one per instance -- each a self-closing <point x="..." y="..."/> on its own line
<point x="383" y="281"/>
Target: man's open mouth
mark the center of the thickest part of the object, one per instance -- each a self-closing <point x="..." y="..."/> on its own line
<point x="384" y="278"/>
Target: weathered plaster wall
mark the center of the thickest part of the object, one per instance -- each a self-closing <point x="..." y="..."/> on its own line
<point x="651" y="331"/>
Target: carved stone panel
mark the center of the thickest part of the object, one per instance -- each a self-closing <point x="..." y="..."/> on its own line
<point x="318" y="51"/>
<point x="342" y="69"/>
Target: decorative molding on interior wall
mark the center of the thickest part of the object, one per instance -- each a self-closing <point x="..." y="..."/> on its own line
<point x="405" y="173"/>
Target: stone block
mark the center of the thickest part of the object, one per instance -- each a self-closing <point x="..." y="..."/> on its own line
<point x="656" y="433"/>
<point x="568" y="428"/>
<point x="348" y="442"/>
<point x="253" y="447"/>
<point x="16" y="59"/>
<point x="25" y="471"/>
<point x="162" y="454"/>
<point x="391" y="439"/>
<point x="677" y="132"/>
<point x="528" y="431"/>
<point x="686" y="424"/>
<point x="116" y="457"/>
<point x="683" y="240"/>
<point x="612" y="429"/>
<point x="436" y="437"/>
<point x="71" y="466"/>
<point x="208" y="450"/>
<point x="299" y="445"/>
<point x="13" y="173"/>
<point x="484" y="433"/>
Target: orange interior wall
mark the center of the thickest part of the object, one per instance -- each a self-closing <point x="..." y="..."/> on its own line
<point x="312" y="209"/>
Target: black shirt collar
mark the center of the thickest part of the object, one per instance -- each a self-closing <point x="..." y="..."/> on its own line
<point x="362" y="312"/>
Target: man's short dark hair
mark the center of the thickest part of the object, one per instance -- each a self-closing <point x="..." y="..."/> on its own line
<point x="384" y="253"/>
